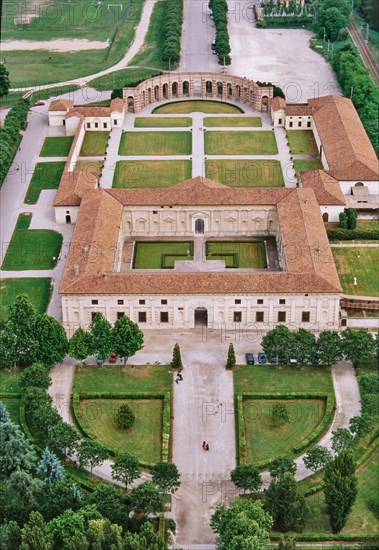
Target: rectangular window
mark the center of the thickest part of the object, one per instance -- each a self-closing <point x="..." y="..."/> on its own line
<point x="180" y="308"/>
<point x="115" y="122"/>
<point x="120" y="314"/>
<point x="96" y="124"/>
<point x="120" y="302"/>
<point x="260" y="301"/>
<point x="164" y="316"/>
<point x="141" y="302"/>
<point x="281" y="317"/>
<point x="237" y="316"/>
<point x="305" y="316"/>
<point x="280" y="121"/>
<point x="88" y="125"/>
<point x="105" y="125"/>
<point x="237" y="301"/>
<point x="299" y="123"/>
<point x="94" y="302"/>
<point x="155" y="211"/>
<point x="309" y="124"/>
<point x="93" y="313"/>
<point x="290" y="124"/>
<point x="142" y="316"/>
<point x="164" y="302"/>
<point x="282" y="301"/>
<point x="259" y="317"/>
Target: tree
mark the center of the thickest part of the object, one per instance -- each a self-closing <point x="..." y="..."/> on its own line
<point x="305" y="346"/>
<point x="80" y="345"/>
<point x="36" y="376"/>
<point x="35" y="535"/>
<point x="127" y="338"/>
<point x="340" y="489"/>
<point x="244" y="525"/>
<point x="335" y="21"/>
<point x="287" y="543"/>
<point x="342" y="438"/>
<point x="279" y="342"/>
<point x="19" y="331"/>
<point x="51" y="340"/>
<point x="101" y="336"/>
<point x="59" y="496"/>
<point x="16" y="451"/>
<point x="110" y="501"/>
<point x="49" y="468"/>
<point x="316" y="458"/>
<point x="246" y="477"/>
<point x="146" y="538"/>
<point x="280" y="466"/>
<point x="36" y="398"/>
<point x="358" y="346"/>
<point x="279" y="415"/>
<point x="5" y="83"/>
<point x="146" y="498"/>
<point x="351" y="218"/>
<point x="125" y="417"/>
<point x="361" y="425"/>
<point x="329" y="348"/>
<point x="166" y="477"/>
<point x="63" y="438"/>
<point x="102" y="534"/>
<point x="176" y="362"/>
<point x="231" y="360"/>
<point x="44" y="418"/>
<point x="4" y="414"/>
<point x="24" y="485"/>
<point x="343" y="220"/>
<point x="91" y="454"/>
<point x="125" y="468"/>
<point x="67" y="531"/>
<point x="285" y="503"/>
<point x="11" y="536"/>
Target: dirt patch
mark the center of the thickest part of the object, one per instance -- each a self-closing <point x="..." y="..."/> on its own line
<point x="61" y="45"/>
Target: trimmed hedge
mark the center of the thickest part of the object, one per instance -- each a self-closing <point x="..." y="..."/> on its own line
<point x="222" y="46"/>
<point x="10" y="136"/>
<point x="241" y="431"/>
<point x="352" y="234"/>
<point x="321" y="537"/>
<point x="320" y="428"/>
<point x="172" y="30"/>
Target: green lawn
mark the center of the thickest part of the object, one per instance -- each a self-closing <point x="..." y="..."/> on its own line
<point x="368" y="225"/>
<point x="155" y="143"/>
<point x="234" y="121"/>
<point x="9" y="381"/>
<point x="56" y="146"/>
<point x="164" y="122"/>
<point x="364" y="268"/>
<point x="94" y="144"/>
<point x="245" y="173"/>
<point x="148" y="255"/>
<point x="13" y="407"/>
<point x="143" y="439"/>
<point x="240" y="254"/>
<point x="95" y="166"/>
<point x="151" y="173"/>
<point x="304" y="165"/>
<point x="125" y="77"/>
<point x="31" y="248"/>
<point x="46" y="175"/>
<point x="37" y="289"/>
<point x="264" y="442"/>
<point x="240" y="143"/>
<point x="302" y="142"/>
<point x="197" y="105"/>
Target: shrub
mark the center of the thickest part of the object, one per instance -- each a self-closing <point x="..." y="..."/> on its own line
<point x="125" y="417"/>
<point x="343" y="220"/>
<point x="349" y="234"/>
<point x="279" y="415"/>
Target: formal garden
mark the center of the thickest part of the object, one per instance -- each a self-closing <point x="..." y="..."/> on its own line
<point x="233" y="121"/>
<point x="46" y="175"/>
<point x="56" y="146"/>
<point x="162" y="122"/>
<point x="245" y="173"/>
<point x="360" y="263"/>
<point x="238" y="142"/>
<point x="237" y="254"/>
<point x="155" y="143"/>
<point x="151" y="173"/>
<point x="302" y="142"/>
<point x="161" y="254"/>
<point x="94" y="144"/>
<point x="197" y="105"/>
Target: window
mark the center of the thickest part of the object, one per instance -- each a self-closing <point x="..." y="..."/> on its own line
<point x="120" y="302"/>
<point x="237" y="301"/>
<point x="141" y="302"/>
<point x="259" y="317"/>
<point x="309" y="124"/>
<point x="281" y="317"/>
<point x="142" y="316"/>
<point x="94" y="302"/>
<point x="260" y="301"/>
<point x="180" y="308"/>
<point x="280" y="121"/>
<point x="300" y="123"/>
<point x="120" y="314"/>
<point x="164" y="302"/>
<point x="282" y="301"/>
<point x="155" y="211"/>
<point x="164" y="316"/>
<point x="88" y="125"/>
<point x="237" y="316"/>
<point x="115" y="122"/>
<point x="290" y="124"/>
<point x="93" y="313"/>
<point x="105" y="125"/>
<point x="96" y="124"/>
<point x="305" y="316"/>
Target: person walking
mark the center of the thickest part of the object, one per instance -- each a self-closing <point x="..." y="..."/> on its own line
<point x="207" y="447"/>
<point x="204" y="444"/>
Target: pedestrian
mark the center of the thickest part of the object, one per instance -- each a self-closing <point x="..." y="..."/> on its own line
<point x="177" y="380"/>
<point x="207" y="447"/>
<point x="204" y="444"/>
<point x="180" y="376"/>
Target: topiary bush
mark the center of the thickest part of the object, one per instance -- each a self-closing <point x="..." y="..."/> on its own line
<point x="125" y="417"/>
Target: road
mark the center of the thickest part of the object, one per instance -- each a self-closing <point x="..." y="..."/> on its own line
<point x="366" y="54"/>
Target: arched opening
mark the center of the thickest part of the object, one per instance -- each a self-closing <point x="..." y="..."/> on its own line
<point x="359" y="184"/>
<point x="219" y="89"/>
<point x="208" y="87"/>
<point x="185" y="88"/>
<point x="144" y="98"/>
<point x="201" y="317"/>
<point x="229" y="90"/>
<point x="174" y="89"/>
<point x="246" y="94"/>
<point x="238" y="91"/>
<point x="130" y="104"/>
<point x="149" y="95"/>
<point x="68" y="216"/>
<point x="199" y="227"/>
<point x="325" y="217"/>
<point x="156" y="93"/>
<point x="264" y="103"/>
<point x="251" y="96"/>
<point x="165" y="91"/>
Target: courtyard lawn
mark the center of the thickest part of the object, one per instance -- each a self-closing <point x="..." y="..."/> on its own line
<point x="302" y="142"/>
<point x="12" y="405"/>
<point x="245" y="173"/>
<point x="164" y="122"/>
<point x="368" y="225"/>
<point x="240" y="143"/>
<point x="56" y="146"/>
<point x="9" y="381"/>
<point x="200" y="105"/>
<point x="31" y="248"/>
<point x="151" y="173"/>
<point x="233" y="121"/>
<point x="155" y="143"/>
<point x="264" y="442"/>
<point x="37" y="289"/>
<point x="304" y="165"/>
<point x="94" y="144"/>
<point x="47" y="175"/>
<point x="95" y="166"/>
<point x="157" y="255"/>
<point x="239" y="254"/>
<point x="143" y="439"/>
<point x="364" y="268"/>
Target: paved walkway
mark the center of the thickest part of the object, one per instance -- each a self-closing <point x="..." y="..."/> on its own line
<point x="349" y="245"/>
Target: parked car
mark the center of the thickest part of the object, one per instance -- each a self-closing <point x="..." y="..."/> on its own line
<point x="99" y="361"/>
<point x="293" y="361"/>
<point x="272" y="359"/>
<point x="249" y="358"/>
<point x="262" y="358"/>
<point x="113" y="357"/>
<point x="39" y="103"/>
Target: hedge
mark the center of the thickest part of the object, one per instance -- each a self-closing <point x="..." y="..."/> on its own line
<point x="172" y="30"/>
<point x="219" y="11"/>
<point x="241" y="432"/>
<point x="10" y="395"/>
<point x="320" y="428"/>
<point x="10" y="136"/>
<point x="321" y="537"/>
<point x="352" y="234"/>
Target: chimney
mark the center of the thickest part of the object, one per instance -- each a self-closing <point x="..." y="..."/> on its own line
<point x="76" y="269"/>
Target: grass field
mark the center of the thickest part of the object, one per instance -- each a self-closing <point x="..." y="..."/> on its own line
<point x="234" y="121"/>
<point x="46" y="175"/>
<point x="31" y="248"/>
<point x="364" y="268"/>
<point x="94" y="144"/>
<point x="265" y="442"/>
<point x="240" y="143"/>
<point x="143" y="439"/>
<point x="245" y="173"/>
<point x="56" y="146"/>
<point x="201" y="106"/>
<point x="249" y="254"/>
<point x="302" y="142"/>
<point x="148" y="255"/>
<point x="9" y="381"/>
<point x="37" y="289"/>
<point x="94" y="166"/>
<point x="155" y="143"/>
<point x="368" y="225"/>
<point x="166" y="122"/>
<point x="304" y="165"/>
<point x="151" y="173"/>
<point x="125" y="77"/>
<point x="12" y="405"/>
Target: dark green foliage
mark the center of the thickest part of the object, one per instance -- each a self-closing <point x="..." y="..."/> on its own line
<point x="125" y="417"/>
<point x="279" y="415"/>
<point x="176" y="362"/>
<point x="361" y="425"/>
<point x="21" y="345"/>
<point x="146" y="498"/>
<point x="286" y="504"/>
<point x="10" y="135"/>
<point x="246" y="477"/>
<point x="329" y="348"/>
<point x="51" y="340"/>
<point x="127" y="338"/>
<point x="91" y="453"/>
<point x="101" y="336"/>
<point x="219" y="11"/>
<point x="4" y="80"/>
<point x="125" y="468"/>
<point x="351" y="218"/>
<point x="231" y="360"/>
<point x="368" y="9"/>
<point x="116" y="93"/>
<point x="278" y="92"/>
<point x="349" y="235"/>
<point x="279" y="342"/>
<point x="304" y="346"/>
<point x="166" y="477"/>
<point x="369" y="389"/>
<point x="35" y="534"/>
<point x="17" y="453"/>
<point x="146" y="538"/>
<point x="343" y="220"/>
<point x="110" y="501"/>
<point x="59" y="496"/>
<point x="172" y="31"/>
<point x="11" y="536"/>
<point x="36" y="376"/>
<point x="68" y="532"/>
<point x="340" y="489"/>
<point x="80" y="344"/>
<point x="63" y="438"/>
<point x="358" y="346"/>
<point x="342" y="439"/>
<point x="316" y="458"/>
<point x="281" y="466"/>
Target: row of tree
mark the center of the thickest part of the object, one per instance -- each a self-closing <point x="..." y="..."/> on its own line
<point x="222" y="46"/>
<point x="330" y="347"/>
<point x="348" y="219"/>
<point x="332" y="16"/>
<point x="172" y="30"/>
<point x="15" y="121"/>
